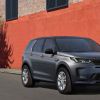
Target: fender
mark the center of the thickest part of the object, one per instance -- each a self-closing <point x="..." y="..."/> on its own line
<point x="65" y="65"/>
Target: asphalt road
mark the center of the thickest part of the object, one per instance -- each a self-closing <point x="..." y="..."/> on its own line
<point x="11" y="88"/>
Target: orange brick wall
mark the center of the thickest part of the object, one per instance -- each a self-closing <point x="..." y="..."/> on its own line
<point x="81" y="19"/>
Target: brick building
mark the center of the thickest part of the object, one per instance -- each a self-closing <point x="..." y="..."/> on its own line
<point x="27" y="19"/>
<point x="25" y="7"/>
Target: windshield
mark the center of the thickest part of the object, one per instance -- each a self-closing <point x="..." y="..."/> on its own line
<point x="77" y="45"/>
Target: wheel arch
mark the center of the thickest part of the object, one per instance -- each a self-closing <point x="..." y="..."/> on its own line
<point x="28" y="65"/>
<point x="63" y="65"/>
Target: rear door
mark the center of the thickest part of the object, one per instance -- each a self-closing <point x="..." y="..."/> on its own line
<point x="36" y="58"/>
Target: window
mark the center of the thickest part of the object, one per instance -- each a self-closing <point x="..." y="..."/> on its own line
<point x="49" y="44"/>
<point x="30" y="45"/>
<point x="55" y="4"/>
<point x="38" y="45"/>
<point x="11" y="9"/>
<point x="73" y="45"/>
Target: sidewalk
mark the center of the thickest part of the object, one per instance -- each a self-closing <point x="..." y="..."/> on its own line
<point x="10" y="71"/>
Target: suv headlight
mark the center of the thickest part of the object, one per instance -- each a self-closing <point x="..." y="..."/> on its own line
<point x="80" y="60"/>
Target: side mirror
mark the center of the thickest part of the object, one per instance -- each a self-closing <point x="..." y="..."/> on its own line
<point x="50" y="51"/>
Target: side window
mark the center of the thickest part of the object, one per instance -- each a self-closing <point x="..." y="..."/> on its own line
<point x="38" y="45"/>
<point x="30" y="45"/>
<point x="49" y="44"/>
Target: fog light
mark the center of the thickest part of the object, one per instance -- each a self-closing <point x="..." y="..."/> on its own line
<point x="84" y="73"/>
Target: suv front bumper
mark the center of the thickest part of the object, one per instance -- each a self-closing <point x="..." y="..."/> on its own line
<point x="87" y="75"/>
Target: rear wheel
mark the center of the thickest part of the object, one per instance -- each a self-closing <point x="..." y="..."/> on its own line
<point x="64" y="81"/>
<point x="27" y="79"/>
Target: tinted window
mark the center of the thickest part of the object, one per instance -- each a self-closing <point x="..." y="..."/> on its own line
<point x="95" y="46"/>
<point x="11" y="9"/>
<point x="30" y="45"/>
<point x="77" y="45"/>
<point x="38" y="46"/>
<point x="49" y="44"/>
<point x="55" y="4"/>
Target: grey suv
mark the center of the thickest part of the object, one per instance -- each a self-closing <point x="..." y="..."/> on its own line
<point x="62" y="60"/>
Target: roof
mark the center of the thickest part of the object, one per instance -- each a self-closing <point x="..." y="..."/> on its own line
<point x="71" y="37"/>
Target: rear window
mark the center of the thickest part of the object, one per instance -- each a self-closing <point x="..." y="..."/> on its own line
<point x="30" y="45"/>
<point x="38" y="45"/>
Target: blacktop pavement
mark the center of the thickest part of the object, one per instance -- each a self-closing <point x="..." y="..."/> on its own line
<point x="10" y="71"/>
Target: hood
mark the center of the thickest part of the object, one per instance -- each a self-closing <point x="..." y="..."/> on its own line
<point x="86" y="55"/>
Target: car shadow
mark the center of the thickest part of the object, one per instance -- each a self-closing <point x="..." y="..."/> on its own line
<point x="86" y="90"/>
<point x="78" y="90"/>
<point x="46" y="85"/>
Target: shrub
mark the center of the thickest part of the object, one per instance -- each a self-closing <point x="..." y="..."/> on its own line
<point x="5" y="49"/>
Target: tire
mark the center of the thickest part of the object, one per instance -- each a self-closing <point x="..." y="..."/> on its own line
<point x="63" y="81"/>
<point x="26" y="77"/>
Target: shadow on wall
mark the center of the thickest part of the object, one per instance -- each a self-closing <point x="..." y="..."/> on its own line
<point x="6" y="51"/>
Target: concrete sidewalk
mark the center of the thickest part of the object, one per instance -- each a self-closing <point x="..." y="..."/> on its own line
<point x="10" y="71"/>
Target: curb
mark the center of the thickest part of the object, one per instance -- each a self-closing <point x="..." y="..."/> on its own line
<point x="11" y="71"/>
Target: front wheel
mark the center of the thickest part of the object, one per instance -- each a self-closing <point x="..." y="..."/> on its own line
<point x="63" y="81"/>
